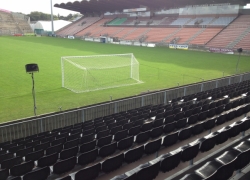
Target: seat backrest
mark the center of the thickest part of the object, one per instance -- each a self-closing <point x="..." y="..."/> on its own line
<point x="87" y="157"/>
<point x="146" y="126"/>
<point x="101" y="134"/>
<point x="88" y="173"/>
<point x="9" y="163"/>
<point x="88" y="146"/>
<point x="33" y="156"/>
<point x="193" y="119"/>
<point x="170" y="139"/>
<point x="156" y="132"/>
<point x="104" y="141"/>
<point x="168" y="128"/>
<point x="152" y="146"/>
<point x="67" y="153"/>
<point x="185" y="133"/>
<point x="54" y="149"/>
<point x="4" y="173"/>
<point x="190" y="152"/>
<point x="120" y="135"/>
<point x="71" y="143"/>
<point x="134" y="130"/>
<point x="41" y="173"/>
<point x="42" y="146"/>
<point x="170" y="161"/>
<point x="23" y="152"/>
<point x="125" y="143"/>
<point x="107" y="149"/>
<point x="48" y="160"/>
<point x="133" y="154"/>
<point x="21" y="169"/>
<point x="64" y="166"/>
<point x="112" y="163"/>
<point x="142" y="137"/>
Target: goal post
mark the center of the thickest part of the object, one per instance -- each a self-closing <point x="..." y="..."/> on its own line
<point x="91" y="73"/>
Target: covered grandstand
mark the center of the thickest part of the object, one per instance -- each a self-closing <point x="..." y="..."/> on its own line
<point x="198" y="24"/>
<point x="192" y="132"/>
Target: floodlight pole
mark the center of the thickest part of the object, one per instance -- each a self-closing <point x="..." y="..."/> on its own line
<point x="33" y="92"/>
<point x="52" y="23"/>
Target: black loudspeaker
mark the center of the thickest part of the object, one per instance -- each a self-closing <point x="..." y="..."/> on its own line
<point x="30" y="68"/>
<point x="240" y="50"/>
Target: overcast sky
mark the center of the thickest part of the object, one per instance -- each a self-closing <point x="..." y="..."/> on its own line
<point x="26" y="6"/>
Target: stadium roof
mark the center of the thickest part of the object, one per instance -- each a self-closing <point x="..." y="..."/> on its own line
<point x="101" y="6"/>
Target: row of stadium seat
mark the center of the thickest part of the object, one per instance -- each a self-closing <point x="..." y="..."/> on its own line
<point x="171" y="160"/>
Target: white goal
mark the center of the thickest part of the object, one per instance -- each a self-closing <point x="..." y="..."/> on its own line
<point x="91" y="73"/>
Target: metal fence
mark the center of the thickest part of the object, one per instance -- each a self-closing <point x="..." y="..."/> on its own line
<point x="19" y="129"/>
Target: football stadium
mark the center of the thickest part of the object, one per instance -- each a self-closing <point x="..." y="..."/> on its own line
<point x="135" y="90"/>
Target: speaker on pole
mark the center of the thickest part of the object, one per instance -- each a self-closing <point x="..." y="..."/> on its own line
<point x="30" y="68"/>
<point x="240" y="50"/>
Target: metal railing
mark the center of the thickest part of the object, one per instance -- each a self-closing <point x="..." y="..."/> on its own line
<point x="23" y="128"/>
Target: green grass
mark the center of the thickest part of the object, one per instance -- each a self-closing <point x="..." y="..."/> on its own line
<point x="159" y="68"/>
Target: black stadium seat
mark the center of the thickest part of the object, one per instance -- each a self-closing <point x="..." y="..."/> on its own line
<point x="88" y="173"/>
<point x="168" y="128"/>
<point x="101" y="134"/>
<point x="185" y="133"/>
<point x="156" y="132"/>
<point x="134" y="130"/>
<point x="133" y="154"/>
<point x="68" y="153"/>
<point x="125" y="143"/>
<point x="4" y="173"/>
<point x="64" y="166"/>
<point x="9" y="163"/>
<point x="170" y="139"/>
<point x="71" y="143"/>
<point x="207" y="143"/>
<point x="21" y="169"/>
<point x="191" y="177"/>
<point x="87" y="157"/>
<point x="33" y="156"/>
<point x="153" y="146"/>
<point x="54" y="149"/>
<point x="88" y="146"/>
<point x="170" y="160"/>
<point x="107" y="149"/>
<point x="87" y="138"/>
<point x="112" y="163"/>
<point x="148" y="171"/>
<point x="37" y="174"/>
<point x="48" y="160"/>
<point x="142" y="137"/>
<point x="189" y="151"/>
<point x="104" y="141"/>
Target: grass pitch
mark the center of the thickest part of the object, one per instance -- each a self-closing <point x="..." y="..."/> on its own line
<point x="159" y="68"/>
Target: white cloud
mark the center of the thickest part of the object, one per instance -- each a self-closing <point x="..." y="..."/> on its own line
<point x="27" y="6"/>
<point x="247" y="6"/>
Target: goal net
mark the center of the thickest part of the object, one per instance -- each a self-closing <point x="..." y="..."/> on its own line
<point x="91" y="73"/>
